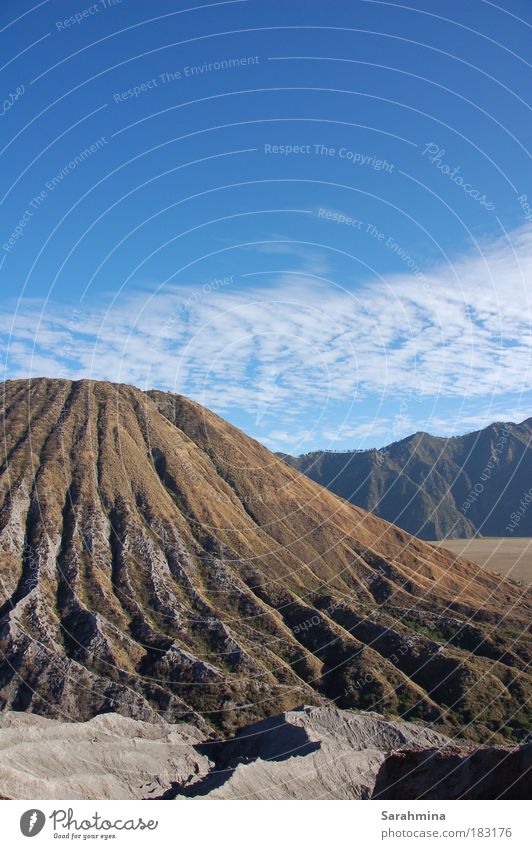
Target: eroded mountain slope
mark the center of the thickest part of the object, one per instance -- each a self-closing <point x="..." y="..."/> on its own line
<point x="156" y="562"/>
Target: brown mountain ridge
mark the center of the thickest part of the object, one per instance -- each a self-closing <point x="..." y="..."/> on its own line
<point x="157" y="562"/>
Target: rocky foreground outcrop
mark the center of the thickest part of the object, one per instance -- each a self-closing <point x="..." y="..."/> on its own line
<point x="158" y="563"/>
<point x="455" y="773"/>
<point x="309" y="753"/>
<point x="108" y="757"/>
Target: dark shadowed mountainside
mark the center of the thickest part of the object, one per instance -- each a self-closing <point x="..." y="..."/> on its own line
<point x="435" y="487"/>
<point x="158" y="563"/>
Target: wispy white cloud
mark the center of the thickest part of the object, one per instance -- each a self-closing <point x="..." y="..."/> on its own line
<point x="283" y="350"/>
<point x="307" y="258"/>
<point x="374" y="428"/>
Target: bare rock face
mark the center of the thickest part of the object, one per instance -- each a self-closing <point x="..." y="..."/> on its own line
<point x="309" y="753"/>
<point x="324" y="753"/>
<point x="157" y="563"/>
<point x="108" y="757"/>
<point x="451" y="773"/>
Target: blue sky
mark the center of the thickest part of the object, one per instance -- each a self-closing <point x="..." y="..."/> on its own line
<point x="312" y="217"/>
